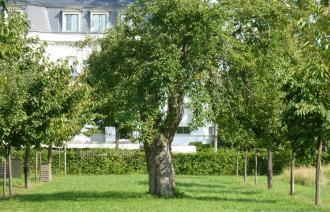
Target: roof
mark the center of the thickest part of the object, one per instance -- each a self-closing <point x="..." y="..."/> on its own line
<point x="46" y="15"/>
<point x="75" y="3"/>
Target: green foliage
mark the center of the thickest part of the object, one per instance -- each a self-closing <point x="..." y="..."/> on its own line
<point x="246" y="95"/>
<point x="145" y="67"/>
<point x="307" y="84"/>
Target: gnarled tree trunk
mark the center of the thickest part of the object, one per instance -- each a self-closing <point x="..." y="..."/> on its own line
<point x="270" y="169"/>
<point x="292" y="173"/>
<point x="27" y="167"/>
<point x="318" y="173"/>
<point x="160" y="167"/>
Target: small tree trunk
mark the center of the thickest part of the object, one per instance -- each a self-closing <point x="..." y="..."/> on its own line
<point x="245" y="167"/>
<point x="39" y="167"/>
<point x="36" y="167"/>
<point x="64" y="160"/>
<point x="237" y="163"/>
<point x="292" y="173"/>
<point x="256" y="168"/>
<point x="318" y="174"/>
<point x="215" y="137"/>
<point x="50" y="158"/>
<point x="117" y="138"/>
<point x="4" y="176"/>
<point x="160" y="168"/>
<point x="59" y="161"/>
<point x="270" y="169"/>
<point x="27" y="167"/>
<point x="11" y="190"/>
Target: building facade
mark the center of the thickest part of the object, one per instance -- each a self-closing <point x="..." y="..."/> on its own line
<point x="61" y="24"/>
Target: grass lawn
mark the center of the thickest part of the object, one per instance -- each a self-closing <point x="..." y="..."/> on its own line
<point x="128" y="193"/>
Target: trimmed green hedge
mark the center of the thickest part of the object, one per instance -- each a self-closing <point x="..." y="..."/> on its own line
<point x="109" y="161"/>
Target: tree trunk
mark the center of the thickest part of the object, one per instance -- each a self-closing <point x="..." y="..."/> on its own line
<point x="292" y="173"/>
<point x="245" y="167"/>
<point x="237" y="163"/>
<point x="27" y="167"/>
<point x="4" y="176"/>
<point x="50" y="158"/>
<point x="117" y="138"/>
<point x="150" y="167"/>
<point x="256" y="168"/>
<point x="11" y="190"/>
<point x="59" y="161"/>
<point x="64" y="160"/>
<point x="318" y="174"/>
<point x="39" y="167"/>
<point x="36" y="167"/>
<point x="160" y="167"/>
<point x="270" y="169"/>
<point x="215" y="137"/>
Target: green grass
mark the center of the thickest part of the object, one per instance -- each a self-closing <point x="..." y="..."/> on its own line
<point x="128" y="193"/>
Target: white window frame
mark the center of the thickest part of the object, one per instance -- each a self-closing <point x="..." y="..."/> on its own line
<point x="64" y="13"/>
<point x="91" y="21"/>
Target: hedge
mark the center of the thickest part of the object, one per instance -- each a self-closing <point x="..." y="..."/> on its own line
<point x="109" y="161"/>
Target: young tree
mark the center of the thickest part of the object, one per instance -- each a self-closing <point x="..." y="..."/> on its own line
<point x="307" y="86"/>
<point x="18" y="54"/>
<point x="251" y="69"/>
<point x="159" y="56"/>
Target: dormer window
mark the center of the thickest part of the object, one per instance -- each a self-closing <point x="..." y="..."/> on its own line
<point x="99" y="22"/>
<point x="71" y="22"/>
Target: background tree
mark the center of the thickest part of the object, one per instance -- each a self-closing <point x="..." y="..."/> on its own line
<point x="18" y="55"/>
<point x="307" y="85"/>
<point x="251" y="69"/>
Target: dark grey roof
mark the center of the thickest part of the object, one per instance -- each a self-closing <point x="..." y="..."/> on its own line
<point x="76" y="3"/>
<point x="39" y="18"/>
<point x="46" y="15"/>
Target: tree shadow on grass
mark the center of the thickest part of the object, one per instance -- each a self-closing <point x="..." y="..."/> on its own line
<point x="181" y="184"/>
<point x="75" y="196"/>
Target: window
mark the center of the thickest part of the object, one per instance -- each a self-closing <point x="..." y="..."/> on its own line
<point x="71" y="22"/>
<point x="99" y="22"/>
<point x="211" y="130"/>
<point x="73" y="63"/>
<point x="183" y="130"/>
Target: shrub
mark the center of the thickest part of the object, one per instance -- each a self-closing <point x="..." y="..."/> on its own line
<point x="111" y="161"/>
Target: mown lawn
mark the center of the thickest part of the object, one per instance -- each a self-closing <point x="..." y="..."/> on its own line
<point x="128" y="193"/>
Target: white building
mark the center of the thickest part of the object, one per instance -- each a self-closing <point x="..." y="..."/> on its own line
<point x="61" y="23"/>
